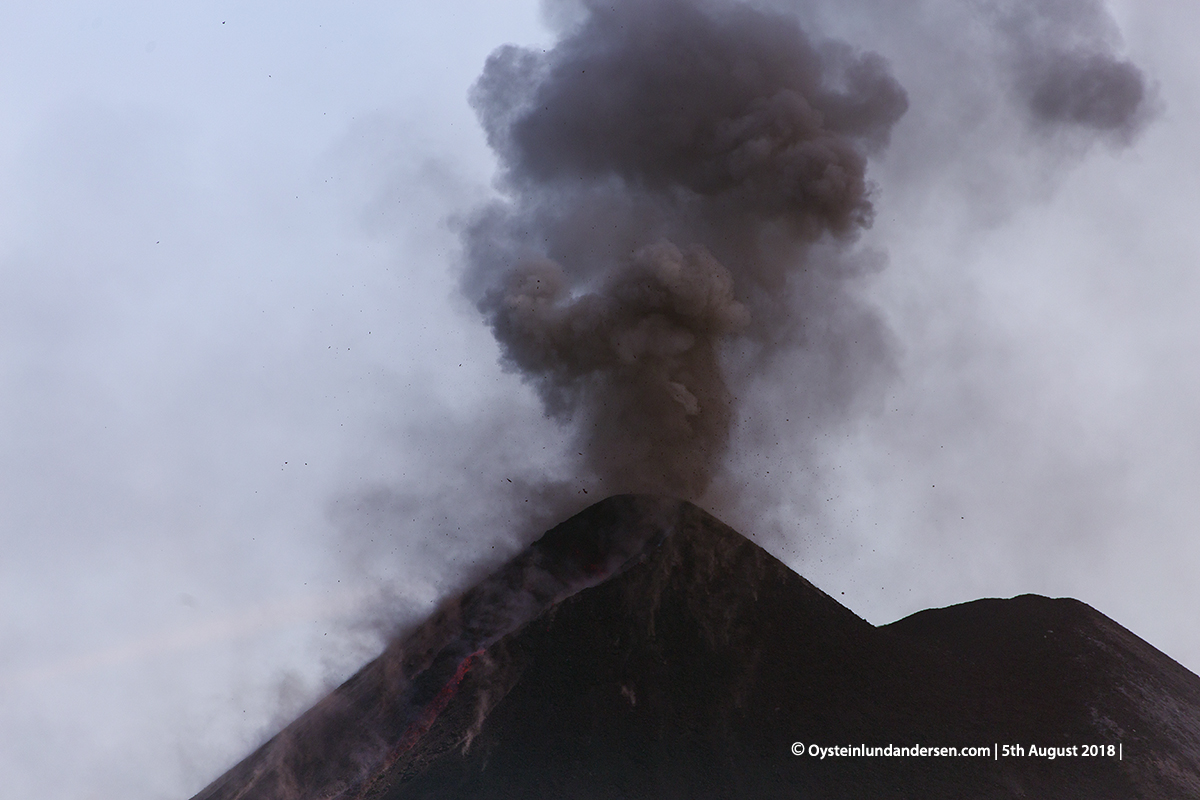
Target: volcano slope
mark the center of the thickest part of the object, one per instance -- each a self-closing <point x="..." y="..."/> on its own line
<point x="643" y="649"/>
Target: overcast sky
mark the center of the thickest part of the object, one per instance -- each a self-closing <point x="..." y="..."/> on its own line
<point x="247" y="422"/>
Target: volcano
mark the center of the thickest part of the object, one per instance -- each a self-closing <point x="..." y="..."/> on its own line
<point x="643" y="649"/>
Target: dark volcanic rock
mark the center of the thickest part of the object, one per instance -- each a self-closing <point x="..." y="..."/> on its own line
<point x="644" y="649"/>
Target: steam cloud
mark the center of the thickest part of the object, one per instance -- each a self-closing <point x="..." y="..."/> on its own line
<point x="668" y="166"/>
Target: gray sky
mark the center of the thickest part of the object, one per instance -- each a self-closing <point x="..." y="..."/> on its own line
<point x="248" y="422"/>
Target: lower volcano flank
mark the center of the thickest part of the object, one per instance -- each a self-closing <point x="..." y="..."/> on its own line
<point x="644" y="649"/>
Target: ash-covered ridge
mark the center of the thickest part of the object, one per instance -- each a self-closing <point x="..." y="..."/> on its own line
<point x="386" y="708"/>
<point x="644" y="649"/>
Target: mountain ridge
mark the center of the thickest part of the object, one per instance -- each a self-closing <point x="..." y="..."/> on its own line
<point x="643" y="648"/>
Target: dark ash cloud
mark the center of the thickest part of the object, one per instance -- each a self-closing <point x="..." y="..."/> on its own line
<point x="1068" y="69"/>
<point x="668" y="167"/>
<point x="1092" y="90"/>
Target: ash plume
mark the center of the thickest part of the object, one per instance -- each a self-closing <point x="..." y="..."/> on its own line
<point x="667" y="169"/>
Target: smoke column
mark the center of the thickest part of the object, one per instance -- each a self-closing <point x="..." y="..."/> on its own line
<point x="667" y="169"/>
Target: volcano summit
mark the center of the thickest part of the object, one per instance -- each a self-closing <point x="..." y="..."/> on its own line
<point x="644" y="649"/>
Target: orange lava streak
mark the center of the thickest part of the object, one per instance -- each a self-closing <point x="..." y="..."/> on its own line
<point x="430" y="714"/>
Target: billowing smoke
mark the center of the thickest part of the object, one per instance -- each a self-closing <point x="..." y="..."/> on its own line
<point x="667" y="169"/>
